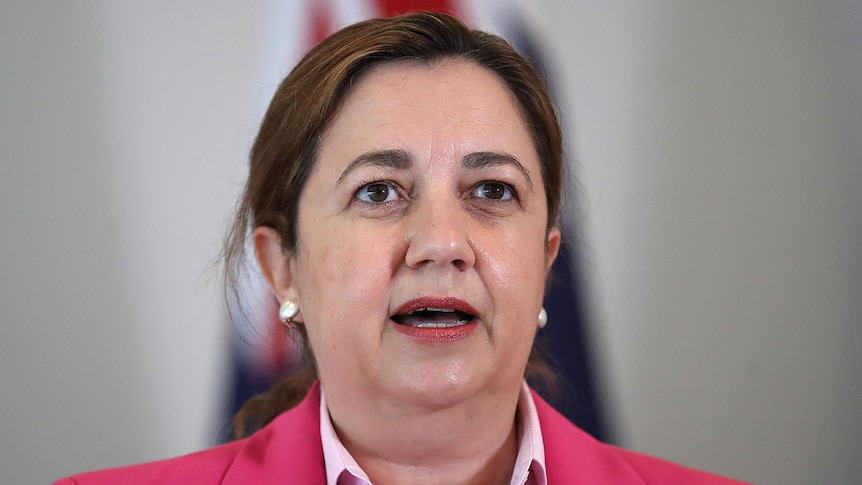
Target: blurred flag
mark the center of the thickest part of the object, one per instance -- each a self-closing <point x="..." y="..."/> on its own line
<point x="261" y="351"/>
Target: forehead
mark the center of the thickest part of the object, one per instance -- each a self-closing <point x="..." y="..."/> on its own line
<point x="448" y="108"/>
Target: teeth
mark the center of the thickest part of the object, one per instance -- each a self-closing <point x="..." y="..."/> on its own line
<point x="444" y="310"/>
<point x="440" y="325"/>
<point x="446" y="318"/>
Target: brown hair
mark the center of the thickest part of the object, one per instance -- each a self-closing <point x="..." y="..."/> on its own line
<point x="284" y="153"/>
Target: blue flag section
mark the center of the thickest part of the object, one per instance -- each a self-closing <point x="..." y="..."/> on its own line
<point x="566" y="346"/>
<point x="565" y="340"/>
<point x="257" y="362"/>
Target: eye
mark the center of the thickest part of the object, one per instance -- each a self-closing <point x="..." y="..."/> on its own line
<point x="376" y="193"/>
<point x="493" y="191"/>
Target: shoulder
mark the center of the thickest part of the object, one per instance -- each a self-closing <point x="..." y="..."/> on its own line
<point x="285" y="451"/>
<point x="656" y="470"/>
<point x="573" y="456"/>
<point x="208" y="466"/>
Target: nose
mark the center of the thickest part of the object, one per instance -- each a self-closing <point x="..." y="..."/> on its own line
<point x="439" y="235"/>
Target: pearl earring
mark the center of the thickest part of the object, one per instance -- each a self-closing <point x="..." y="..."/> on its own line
<point x="287" y="311"/>
<point x="543" y="318"/>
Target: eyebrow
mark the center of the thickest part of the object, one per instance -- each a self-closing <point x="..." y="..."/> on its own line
<point x="477" y="160"/>
<point x="400" y="159"/>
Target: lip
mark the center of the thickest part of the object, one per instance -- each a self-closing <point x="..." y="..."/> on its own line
<point x="437" y="335"/>
<point x="434" y="302"/>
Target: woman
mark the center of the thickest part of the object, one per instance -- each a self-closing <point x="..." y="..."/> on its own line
<point x="402" y="202"/>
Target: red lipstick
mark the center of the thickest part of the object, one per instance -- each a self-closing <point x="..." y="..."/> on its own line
<point x="436" y="320"/>
<point x="432" y="302"/>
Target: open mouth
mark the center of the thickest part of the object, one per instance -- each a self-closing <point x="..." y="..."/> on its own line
<point x="433" y="318"/>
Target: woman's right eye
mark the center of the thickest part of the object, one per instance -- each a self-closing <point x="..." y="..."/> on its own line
<point x="377" y="193"/>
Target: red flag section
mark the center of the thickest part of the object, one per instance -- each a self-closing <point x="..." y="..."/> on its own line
<point x="320" y="15"/>
<point x="390" y="8"/>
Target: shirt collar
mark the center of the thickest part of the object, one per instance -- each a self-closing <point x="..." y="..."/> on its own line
<point x="342" y="469"/>
<point x="530" y="462"/>
<point x="336" y="458"/>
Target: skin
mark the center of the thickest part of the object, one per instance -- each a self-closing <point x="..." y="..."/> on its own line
<point x="409" y="410"/>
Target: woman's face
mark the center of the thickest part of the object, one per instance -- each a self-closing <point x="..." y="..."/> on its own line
<point x="422" y="250"/>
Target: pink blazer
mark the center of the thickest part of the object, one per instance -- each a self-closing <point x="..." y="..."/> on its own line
<point x="289" y="451"/>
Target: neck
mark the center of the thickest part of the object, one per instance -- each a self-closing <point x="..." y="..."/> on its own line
<point x="471" y="442"/>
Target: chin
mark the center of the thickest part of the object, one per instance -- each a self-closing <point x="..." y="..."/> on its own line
<point x="440" y="387"/>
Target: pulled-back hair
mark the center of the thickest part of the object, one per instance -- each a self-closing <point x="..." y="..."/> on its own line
<point x="286" y="148"/>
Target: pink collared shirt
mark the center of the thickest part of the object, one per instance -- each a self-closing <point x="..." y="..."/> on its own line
<point x="342" y="469"/>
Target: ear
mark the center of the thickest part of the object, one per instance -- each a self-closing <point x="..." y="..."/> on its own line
<point x="553" y="246"/>
<point x="274" y="264"/>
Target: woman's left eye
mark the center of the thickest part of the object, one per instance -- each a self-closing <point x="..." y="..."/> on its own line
<point x="494" y="191"/>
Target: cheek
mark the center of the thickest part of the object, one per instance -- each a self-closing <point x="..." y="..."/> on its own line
<point x="517" y="263"/>
<point x="345" y="271"/>
<point x="517" y="269"/>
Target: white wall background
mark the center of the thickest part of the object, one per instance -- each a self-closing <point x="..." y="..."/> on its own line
<point x="717" y="146"/>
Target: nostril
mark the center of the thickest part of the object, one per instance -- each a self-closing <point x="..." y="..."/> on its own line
<point x="436" y="244"/>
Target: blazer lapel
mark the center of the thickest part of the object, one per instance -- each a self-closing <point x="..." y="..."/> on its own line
<point x="573" y="457"/>
<point x="288" y="450"/>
